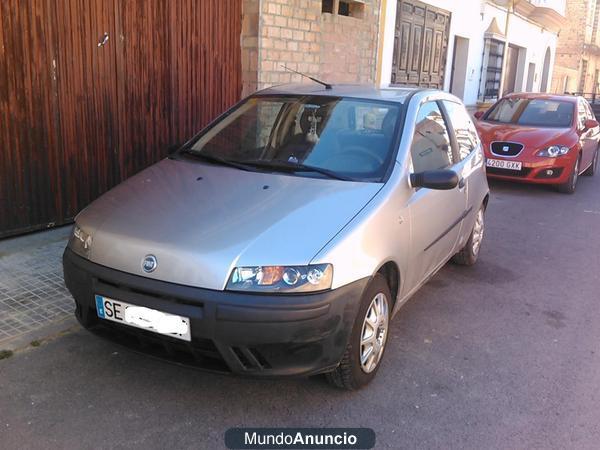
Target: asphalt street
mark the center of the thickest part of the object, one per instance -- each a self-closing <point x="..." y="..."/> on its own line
<point x="501" y="355"/>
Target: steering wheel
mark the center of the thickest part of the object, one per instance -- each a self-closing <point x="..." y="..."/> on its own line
<point x="361" y="153"/>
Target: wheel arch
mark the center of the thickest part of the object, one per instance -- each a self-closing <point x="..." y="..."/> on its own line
<point x="486" y="200"/>
<point x="391" y="273"/>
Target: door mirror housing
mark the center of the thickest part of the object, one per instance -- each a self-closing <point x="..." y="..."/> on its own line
<point x="479" y="114"/>
<point x="590" y="123"/>
<point x="434" y="179"/>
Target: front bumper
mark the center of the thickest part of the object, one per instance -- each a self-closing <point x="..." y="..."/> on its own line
<point x="253" y="334"/>
<point x="536" y="171"/>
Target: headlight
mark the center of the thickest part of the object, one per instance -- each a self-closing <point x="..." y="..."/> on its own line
<point x="80" y="242"/>
<point x="284" y="279"/>
<point x="553" y="151"/>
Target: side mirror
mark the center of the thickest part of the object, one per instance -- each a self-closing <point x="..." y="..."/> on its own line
<point x="590" y="123"/>
<point x="434" y="179"/>
<point x="479" y="114"/>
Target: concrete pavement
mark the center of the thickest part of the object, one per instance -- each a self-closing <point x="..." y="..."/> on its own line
<point x="501" y="355"/>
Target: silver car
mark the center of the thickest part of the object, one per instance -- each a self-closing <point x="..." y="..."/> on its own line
<point x="283" y="238"/>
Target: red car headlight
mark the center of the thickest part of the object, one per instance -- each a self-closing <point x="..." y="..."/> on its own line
<point x="553" y="151"/>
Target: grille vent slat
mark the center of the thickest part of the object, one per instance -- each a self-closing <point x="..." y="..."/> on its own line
<point x="510" y="149"/>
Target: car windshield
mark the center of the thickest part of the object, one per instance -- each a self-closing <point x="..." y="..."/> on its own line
<point x="532" y="112"/>
<point x="305" y="135"/>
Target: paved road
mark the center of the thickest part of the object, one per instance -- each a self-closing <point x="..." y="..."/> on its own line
<point x="502" y="355"/>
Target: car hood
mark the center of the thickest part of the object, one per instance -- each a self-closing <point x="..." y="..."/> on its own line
<point x="201" y="220"/>
<point x="531" y="137"/>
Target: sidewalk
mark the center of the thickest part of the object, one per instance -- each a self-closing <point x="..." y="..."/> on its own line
<point x="32" y="291"/>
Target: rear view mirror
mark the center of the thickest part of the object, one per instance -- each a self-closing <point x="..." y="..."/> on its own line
<point x="434" y="179"/>
<point x="479" y="114"/>
<point x="590" y="123"/>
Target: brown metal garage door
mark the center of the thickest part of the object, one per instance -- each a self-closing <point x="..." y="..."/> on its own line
<point x="420" y="45"/>
<point x="93" y="91"/>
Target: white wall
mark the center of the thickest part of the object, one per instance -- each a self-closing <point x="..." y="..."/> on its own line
<point x="528" y="35"/>
<point x="470" y="19"/>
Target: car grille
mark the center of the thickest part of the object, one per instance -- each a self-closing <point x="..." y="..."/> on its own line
<point x="506" y="148"/>
<point x="509" y="173"/>
<point x="201" y="353"/>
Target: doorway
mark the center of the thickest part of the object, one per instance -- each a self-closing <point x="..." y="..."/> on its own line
<point x="421" y="42"/>
<point x="530" y="77"/>
<point x="545" y="72"/>
<point x="510" y="75"/>
<point x="459" y="66"/>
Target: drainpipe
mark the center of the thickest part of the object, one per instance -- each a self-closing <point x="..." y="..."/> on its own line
<point x="510" y="9"/>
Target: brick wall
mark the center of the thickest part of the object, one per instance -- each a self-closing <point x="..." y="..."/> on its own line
<point x="349" y="45"/>
<point x="296" y="33"/>
<point x="249" y="46"/>
<point x="290" y="35"/>
<point x="576" y="43"/>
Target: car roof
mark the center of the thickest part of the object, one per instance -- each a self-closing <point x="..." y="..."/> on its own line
<point x="361" y="91"/>
<point x="543" y="96"/>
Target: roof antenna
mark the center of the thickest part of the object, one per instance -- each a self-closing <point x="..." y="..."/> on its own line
<point x="327" y="85"/>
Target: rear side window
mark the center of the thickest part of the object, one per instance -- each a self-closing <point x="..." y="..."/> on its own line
<point x="464" y="128"/>
<point x="430" y="148"/>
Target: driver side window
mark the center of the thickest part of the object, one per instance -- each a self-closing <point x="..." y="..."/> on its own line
<point x="430" y="148"/>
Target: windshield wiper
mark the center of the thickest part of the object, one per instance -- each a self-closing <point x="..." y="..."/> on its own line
<point x="284" y="166"/>
<point x="216" y="159"/>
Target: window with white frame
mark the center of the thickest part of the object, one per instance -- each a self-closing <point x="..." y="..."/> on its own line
<point x="492" y="70"/>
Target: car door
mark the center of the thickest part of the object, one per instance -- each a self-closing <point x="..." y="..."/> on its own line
<point x="587" y="138"/>
<point x="470" y="160"/>
<point x="592" y="137"/>
<point x="436" y="215"/>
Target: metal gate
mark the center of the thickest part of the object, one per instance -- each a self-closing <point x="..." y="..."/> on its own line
<point x="93" y="91"/>
<point x="420" y="45"/>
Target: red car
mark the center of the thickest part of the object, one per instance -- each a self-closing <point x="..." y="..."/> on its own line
<point x="540" y="138"/>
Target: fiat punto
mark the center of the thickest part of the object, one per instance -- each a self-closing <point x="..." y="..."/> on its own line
<point x="283" y="238"/>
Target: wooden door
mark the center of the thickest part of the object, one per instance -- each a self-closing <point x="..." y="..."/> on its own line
<point x="420" y="45"/>
<point x="93" y="91"/>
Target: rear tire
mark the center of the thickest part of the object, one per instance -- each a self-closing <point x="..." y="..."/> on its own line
<point x="571" y="184"/>
<point x="470" y="252"/>
<point x="591" y="171"/>
<point x="358" y="366"/>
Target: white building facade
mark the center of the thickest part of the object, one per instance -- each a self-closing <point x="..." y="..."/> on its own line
<point x="477" y="49"/>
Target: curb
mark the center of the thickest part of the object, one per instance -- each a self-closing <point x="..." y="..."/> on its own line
<point x="44" y="333"/>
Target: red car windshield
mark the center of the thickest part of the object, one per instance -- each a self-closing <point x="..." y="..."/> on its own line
<point x="532" y="112"/>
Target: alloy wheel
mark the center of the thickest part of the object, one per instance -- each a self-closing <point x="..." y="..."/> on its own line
<point x="575" y="174"/>
<point x="374" y="333"/>
<point x="478" y="230"/>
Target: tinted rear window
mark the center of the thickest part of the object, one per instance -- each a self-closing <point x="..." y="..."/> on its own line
<point x="532" y="112"/>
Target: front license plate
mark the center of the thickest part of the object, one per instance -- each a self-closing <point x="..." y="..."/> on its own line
<point x="503" y="164"/>
<point x="142" y="317"/>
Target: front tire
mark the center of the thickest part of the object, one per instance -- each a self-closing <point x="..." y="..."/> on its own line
<point x="368" y="339"/>
<point x="571" y="184"/>
<point x="470" y="252"/>
<point x="591" y="171"/>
